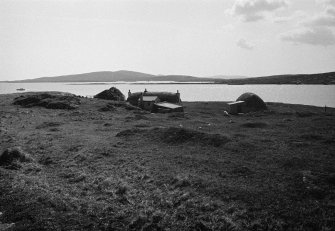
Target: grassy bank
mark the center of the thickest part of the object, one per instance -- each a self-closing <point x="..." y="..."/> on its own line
<point x="104" y="166"/>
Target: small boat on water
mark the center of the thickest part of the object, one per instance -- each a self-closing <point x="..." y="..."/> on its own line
<point x="21" y="89"/>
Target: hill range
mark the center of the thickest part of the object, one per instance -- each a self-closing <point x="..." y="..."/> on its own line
<point x="131" y="76"/>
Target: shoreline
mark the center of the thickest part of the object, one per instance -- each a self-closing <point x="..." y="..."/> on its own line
<point x="225" y="102"/>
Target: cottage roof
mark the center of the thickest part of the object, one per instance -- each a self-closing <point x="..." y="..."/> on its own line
<point x="163" y="96"/>
<point x="236" y="102"/>
<point x="168" y="105"/>
<point x="149" y="98"/>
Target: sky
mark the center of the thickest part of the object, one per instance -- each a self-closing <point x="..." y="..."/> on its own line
<point x="40" y="38"/>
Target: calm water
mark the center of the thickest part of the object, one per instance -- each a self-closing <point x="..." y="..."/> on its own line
<point x="317" y="95"/>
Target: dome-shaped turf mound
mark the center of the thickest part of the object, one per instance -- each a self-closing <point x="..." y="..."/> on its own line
<point x="252" y="101"/>
<point x="111" y="94"/>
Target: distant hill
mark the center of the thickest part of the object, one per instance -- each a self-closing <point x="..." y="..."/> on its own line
<point x="181" y="78"/>
<point x="110" y="76"/>
<point x="102" y="76"/>
<point x="131" y="76"/>
<point x="322" y="78"/>
<point x="227" y="77"/>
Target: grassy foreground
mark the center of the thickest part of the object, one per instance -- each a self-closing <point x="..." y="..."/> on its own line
<point x="105" y="166"/>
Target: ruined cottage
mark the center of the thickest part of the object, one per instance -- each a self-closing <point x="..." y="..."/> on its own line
<point x="156" y="101"/>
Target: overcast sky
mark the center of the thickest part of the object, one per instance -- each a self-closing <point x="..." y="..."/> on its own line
<point x="192" y="37"/>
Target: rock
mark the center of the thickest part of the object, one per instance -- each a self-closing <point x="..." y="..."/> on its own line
<point x="140" y="117"/>
<point x="157" y="217"/>
<point x="242" y="171"/>
<point x="202" y="226"/>
<point x="138" y="222"/>
<point x="316" y="192"/>
<point x="331" y="179"/>
<point x="111" y="94"/>
<point x="11" y="155"/>
<point x="181" y="182"/>
<point x="4" y="226"/>
<point x="46" y="160"/>
<point x="129" y="132"/>
<point x="48" y="125"/>
<point x="254" y="125"/>
<point x="121" y="190"/>
<point x="225" y="113"/>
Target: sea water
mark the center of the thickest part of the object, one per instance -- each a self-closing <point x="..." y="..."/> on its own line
<point x="317" y="95"/>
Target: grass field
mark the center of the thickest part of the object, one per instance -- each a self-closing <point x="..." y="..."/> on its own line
<point x="106" y="166"/>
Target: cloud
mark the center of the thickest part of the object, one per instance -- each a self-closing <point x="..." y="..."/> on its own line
<point x="254" y="10"/>
<point x="326" y="2"/>
<point x="330" y="11"/>
<point x="312" y="36"/>
<point x="228" y="27"/>
<point x="297" y="15"/>
<point x="242" y="43"/>
<point x="321" y="21"/>
<point x="326" y="19"/>
<point x="316" y="29"/>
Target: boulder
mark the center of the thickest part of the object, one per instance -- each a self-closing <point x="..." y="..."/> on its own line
<point x="111" y="94"/>
<point x="252" y="102"/>
<point x="15" y="154"/>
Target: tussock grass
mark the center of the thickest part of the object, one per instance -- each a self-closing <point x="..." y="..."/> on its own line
<point x="176" y="135"/>
<point x="101" y="173"/>
<point x="254" y="125"/>
<point x="13" y="157"/>
<point x="48" y="125"/>
<point x="311" y="136"/>
<point x="304" y="114"/>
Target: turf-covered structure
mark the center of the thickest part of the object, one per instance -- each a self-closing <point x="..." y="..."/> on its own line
<point x="50" y="100"/>
<point x="156" y="101"/>
<point x="247" y="102"/>
<point x="252" y="101"/>
<point x="111" y="94"/>
<point x="170" y="97"/>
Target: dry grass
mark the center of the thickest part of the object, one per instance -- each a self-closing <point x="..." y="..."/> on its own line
<point x="124" y="169"/>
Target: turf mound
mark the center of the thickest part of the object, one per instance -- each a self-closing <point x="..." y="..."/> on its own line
<point x="119" y="104"/>
<point x="111" y="94"/>
<point x="15" y="154"/>
<point x="47" y="100"/>
<point x="107" y="107"/>
<point x="129" y="132"/>
<point x="174" y="135"/>
<point x="48" y="125"/>
<point x="254" y="125"/>
<point x="252" y="101"/>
